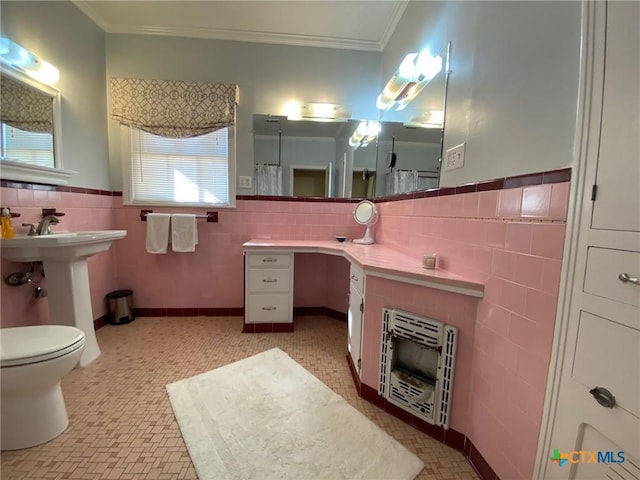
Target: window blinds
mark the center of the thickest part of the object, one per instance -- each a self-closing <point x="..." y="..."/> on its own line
<point x="180" y="170"/>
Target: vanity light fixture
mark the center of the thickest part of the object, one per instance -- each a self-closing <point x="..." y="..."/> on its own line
<point x="15" y="56"/>
<point x="428" y="119"/>
<point x="413" y="74"/>
<point x="319" y="112"/>
<point x="366" y="133"/>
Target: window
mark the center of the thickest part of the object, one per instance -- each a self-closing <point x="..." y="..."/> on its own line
<point x="29" y="147"/>
<point x="195" y="171"/>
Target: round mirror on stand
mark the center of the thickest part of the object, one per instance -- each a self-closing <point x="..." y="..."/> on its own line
<point x="366" y="214"/>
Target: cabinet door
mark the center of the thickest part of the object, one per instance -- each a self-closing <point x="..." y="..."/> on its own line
<point x="617" y="205"/>
<point x="355" y="326"/>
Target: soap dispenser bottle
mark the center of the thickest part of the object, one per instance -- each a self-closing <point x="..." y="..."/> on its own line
<point x="7" y="227"/>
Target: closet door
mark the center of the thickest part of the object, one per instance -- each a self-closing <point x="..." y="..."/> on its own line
<point x="617" y="204"/>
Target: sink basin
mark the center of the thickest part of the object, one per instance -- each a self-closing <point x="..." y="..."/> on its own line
<point x="64" y="256"/>
<point x="58" y="246"/>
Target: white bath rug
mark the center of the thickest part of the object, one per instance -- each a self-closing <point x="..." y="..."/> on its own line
<point x="266" y="417"/>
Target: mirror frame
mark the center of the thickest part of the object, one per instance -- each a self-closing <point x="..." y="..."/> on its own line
<point x="20" y="171"/>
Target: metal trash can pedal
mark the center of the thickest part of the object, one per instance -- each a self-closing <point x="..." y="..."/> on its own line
<point x="120" y="303"/>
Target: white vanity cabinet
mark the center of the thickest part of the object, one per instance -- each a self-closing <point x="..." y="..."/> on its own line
<point x="355" y="315"/>
<point x="268" y="287"/>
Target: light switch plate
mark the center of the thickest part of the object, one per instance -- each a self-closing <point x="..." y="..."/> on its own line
<point x="454" y="158"/>
<point x="244" y="181"/>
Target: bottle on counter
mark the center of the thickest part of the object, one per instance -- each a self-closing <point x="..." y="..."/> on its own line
<point x="7" y="227"/>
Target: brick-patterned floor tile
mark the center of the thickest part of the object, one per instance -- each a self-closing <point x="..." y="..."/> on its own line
<point x="121" y="422"/>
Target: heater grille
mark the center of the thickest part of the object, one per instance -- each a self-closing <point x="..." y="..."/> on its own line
<point x="423" y="388"/>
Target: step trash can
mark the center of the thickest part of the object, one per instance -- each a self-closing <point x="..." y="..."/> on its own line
<point x="120" y="304"/>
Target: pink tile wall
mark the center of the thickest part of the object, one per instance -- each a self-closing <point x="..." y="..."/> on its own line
<point x="212" y="276"/>
<point x="512" y="240"/>
<point x="83" y="212"/>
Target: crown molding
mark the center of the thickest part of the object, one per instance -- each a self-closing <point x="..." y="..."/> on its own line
<point x="401" y="6"/>
<point x="251" y="36"/>
<point x="90" y="11"/>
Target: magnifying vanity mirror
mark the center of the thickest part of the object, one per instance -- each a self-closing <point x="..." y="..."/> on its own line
<point x="366" y="214"/>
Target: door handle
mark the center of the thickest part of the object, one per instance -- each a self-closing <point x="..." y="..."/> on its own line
<point x="603" y="396"/>
<point x="625" y="278"/>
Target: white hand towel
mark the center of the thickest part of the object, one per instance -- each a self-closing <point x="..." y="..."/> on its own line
<point x="184" y="233"/>
<point x="157" y="232"/>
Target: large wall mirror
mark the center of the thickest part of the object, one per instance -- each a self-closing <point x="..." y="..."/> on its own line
<point x="30" y="130"/>
<point x="316" y="159"/>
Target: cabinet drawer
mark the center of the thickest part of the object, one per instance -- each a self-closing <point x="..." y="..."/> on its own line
<point x="607" y="356"/>
<point x="269" y="259"/>
<point x="357" y="278"/>
<point x="266" y="280"/>
<point x="603" y="267"/>
<point x="269" y="309"/>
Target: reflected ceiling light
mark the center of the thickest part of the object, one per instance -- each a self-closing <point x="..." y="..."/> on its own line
<point x="366" y="133"/>
<point x="429" y="119"/>
<point x="20" y="58"/>
<point x="320" y="112"/>
<point x="412" y="76"/>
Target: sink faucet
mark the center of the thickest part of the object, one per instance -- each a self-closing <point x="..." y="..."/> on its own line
<point x="45" y="223"/>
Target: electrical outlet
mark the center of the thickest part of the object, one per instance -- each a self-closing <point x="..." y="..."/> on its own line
<point x="454" y="158"/>
<point x="244" y="182"/>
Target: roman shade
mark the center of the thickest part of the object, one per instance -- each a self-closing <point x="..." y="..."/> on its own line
<point x="171" y="108"/>
<point x="24" y="108"/>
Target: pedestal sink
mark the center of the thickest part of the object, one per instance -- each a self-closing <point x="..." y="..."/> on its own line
<point x="65" y="262"/>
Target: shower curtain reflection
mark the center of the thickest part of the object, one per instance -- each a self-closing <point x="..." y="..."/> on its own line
<point x="268" y="179"/>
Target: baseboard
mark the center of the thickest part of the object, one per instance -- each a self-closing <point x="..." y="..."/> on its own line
<point x="101" y="322"/>
<point x="267" y="328"/>
<point x="325" y="311"/>
<point x="449" y="437"/>
<point x="189" y="312"/>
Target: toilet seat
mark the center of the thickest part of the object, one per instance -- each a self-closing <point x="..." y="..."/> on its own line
<point x="27" y="345"/>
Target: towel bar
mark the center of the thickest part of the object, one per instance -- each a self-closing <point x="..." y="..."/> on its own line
<point x="211" y="217"/>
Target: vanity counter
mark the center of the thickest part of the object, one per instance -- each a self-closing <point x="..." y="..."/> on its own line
<point x="378" y="261"/>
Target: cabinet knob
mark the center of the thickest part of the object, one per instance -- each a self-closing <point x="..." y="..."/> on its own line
<point x="603" y="396"/>
<point x="625" y="278"/>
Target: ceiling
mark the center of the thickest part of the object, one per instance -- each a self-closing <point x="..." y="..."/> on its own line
<point x="355" y="25"/>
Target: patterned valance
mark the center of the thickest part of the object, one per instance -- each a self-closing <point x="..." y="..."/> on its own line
<point x="24" y="108"/>
<point x="172" y="108"/>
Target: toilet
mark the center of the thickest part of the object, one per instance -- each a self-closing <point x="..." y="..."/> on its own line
<point x="33" y="361"/>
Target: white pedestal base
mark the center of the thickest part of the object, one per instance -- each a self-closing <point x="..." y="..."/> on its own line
<point x="70" y="301"/>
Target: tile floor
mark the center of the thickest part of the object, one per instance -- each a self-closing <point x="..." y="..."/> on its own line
<point x="121" y="422"/>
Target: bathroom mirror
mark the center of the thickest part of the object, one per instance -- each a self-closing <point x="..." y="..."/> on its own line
<point x="30" y="134"/>
<point x="311" y="158"/>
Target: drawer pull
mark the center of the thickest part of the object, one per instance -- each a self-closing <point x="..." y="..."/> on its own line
<point x="269" y="280"/>
<point x="268" y="308"/>
<point x="269" y="260"/>
<point x="625" y="278"/>
<point x="603" y="396"/>
<point x="353" y="277"/>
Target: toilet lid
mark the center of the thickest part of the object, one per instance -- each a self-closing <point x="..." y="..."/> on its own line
<point x="25" y="345"/>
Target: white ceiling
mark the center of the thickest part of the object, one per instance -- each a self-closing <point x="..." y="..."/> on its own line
<point x="356" y="25"/>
